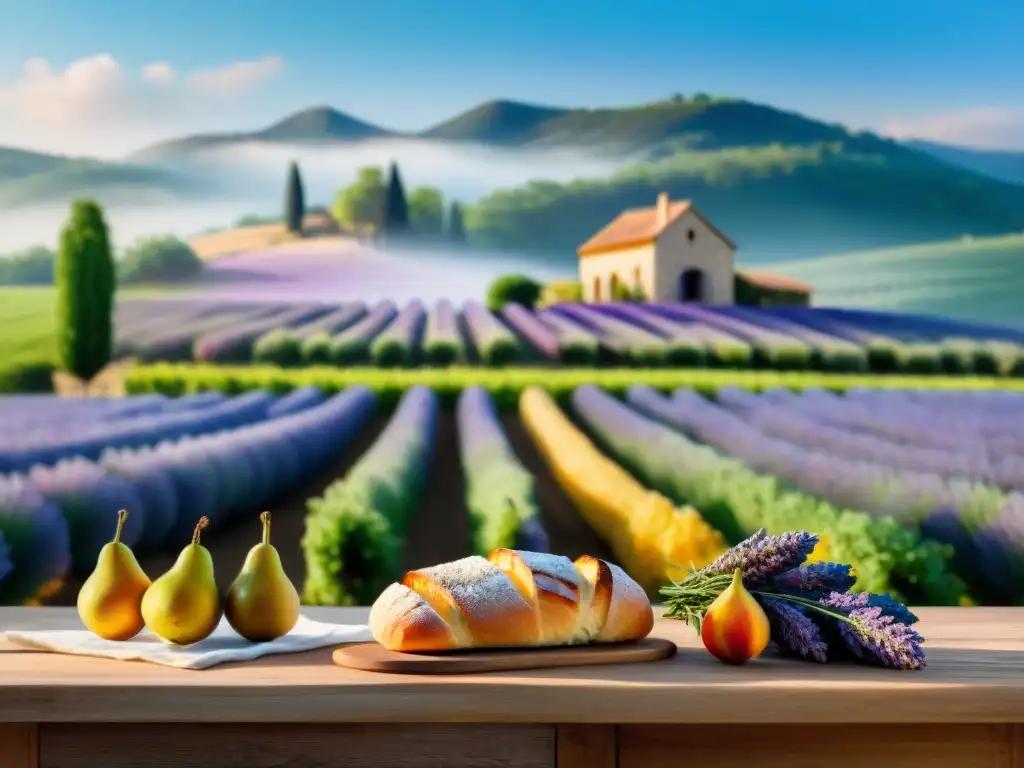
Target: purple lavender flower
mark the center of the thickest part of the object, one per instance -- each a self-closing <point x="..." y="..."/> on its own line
<point x="760" y="557"/>
<point x="794" y="631"/>
<point x="899" y="612"/>
<point x="874" y="636"/>
<point x="815" y="580"/>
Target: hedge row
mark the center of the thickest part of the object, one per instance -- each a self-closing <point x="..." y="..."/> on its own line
<point x="355" y="531"/>
<point x="26" y="377"/>
<point x="505" y="385"/>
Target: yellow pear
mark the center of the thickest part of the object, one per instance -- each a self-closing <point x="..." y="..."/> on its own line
<point x="110" y="600"/>
<point x="735" y="627"/>
<point x="262" y="603"/>
<point x="182" y="607"/>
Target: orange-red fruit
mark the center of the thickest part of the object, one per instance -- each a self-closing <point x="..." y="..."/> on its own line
<point x="735" y="628"/>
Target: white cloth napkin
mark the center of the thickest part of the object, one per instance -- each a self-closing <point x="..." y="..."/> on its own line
<point x="222" y="646"/>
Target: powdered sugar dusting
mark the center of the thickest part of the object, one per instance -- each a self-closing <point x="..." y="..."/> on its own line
<point x="556" y="566"/>
<point x="394" y="603"/>
<point x="478" y="586"/>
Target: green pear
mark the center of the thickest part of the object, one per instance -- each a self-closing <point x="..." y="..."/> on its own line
<point x="183" y="607"/>
<point x="110" y="600"/>
<point x="262" y="603"/>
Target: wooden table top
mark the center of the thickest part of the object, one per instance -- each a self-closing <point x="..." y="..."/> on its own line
<point x="975" y="674"/>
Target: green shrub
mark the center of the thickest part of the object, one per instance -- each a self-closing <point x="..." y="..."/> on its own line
<point x="27" y="377"/>
<point x="351" y="554"/>
<point x="513" y="289"/>
<point x="316" y="349"/>
<point x="921" y="358"/>
<point x="278" y="347"/>
<point x="351" y="532"/>
<point x="885" y="356"/>
<point x="499" y="351"/>
<point x="442" y="352"/>
<point x="85" y="281"/>
<point x="158" y="260"/>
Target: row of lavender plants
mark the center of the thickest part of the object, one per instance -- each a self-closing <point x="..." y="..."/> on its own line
<point x="45" y="432"/>
<point x="500" y="495"/>
<point x="737" y="499"/>
<point x="911" y="497"/>
<point x="170" y="329"/>
<point x="968" y="448"/>
<point x="620" y="333"/>
<point x="355" y="530"/>
<point x="55" y="519"/>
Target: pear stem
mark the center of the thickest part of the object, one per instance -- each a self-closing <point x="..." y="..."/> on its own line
<point x="121" y="517"/>
<point x="203" y="522"/>
<point x="265" y="519"/>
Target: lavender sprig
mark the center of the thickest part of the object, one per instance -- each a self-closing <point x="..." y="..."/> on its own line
<point x="868" y="632"/>
<point x="872" y="635"/>
<point x="815" y="579"/>
<point x="794" y="631"/>
<point x="760" y="557"/>
<point x="846" y="602"/>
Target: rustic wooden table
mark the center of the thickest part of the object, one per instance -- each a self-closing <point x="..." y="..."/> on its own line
<point x="966" y="709"/>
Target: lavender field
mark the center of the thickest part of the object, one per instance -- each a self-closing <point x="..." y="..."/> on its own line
<point x="387" y="333"/>
<point x="921" y="491"/>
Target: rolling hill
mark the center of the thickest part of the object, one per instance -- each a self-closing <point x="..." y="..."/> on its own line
<point x="977" y="279"/>
<point x="28" y="178"/>
<point x="316" y="125"/>
<point x="1002" y="165"/>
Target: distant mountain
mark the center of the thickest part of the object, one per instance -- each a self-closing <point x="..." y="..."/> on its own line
<point x="781" y="184"/>
<point x="1003" y="165"/>
<point x="316" y="125"/>
<point x="34" y="177"/>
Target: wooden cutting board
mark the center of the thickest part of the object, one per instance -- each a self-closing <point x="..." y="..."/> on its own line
<point x="373" y="657"/>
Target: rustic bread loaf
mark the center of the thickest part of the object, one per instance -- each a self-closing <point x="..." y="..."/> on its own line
<point x="511" y="599"/>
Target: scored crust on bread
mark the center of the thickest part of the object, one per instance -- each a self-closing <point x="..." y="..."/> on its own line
<point x="511" y="599"/>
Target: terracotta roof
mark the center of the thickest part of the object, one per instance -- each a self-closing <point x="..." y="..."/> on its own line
<point x="639" y="226"/>
<point x="775" y="282"/>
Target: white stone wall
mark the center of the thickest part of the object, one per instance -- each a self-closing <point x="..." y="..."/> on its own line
<point x="708" y="253"/>
<point x="625" y="266"/>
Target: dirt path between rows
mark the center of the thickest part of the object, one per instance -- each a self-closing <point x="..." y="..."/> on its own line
<point x="439" y="532"/>
<point x="569" y="534"/>
<point x="230" y="545"/>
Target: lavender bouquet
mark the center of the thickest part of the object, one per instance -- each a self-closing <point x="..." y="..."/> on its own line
<point x="810" y="609"/>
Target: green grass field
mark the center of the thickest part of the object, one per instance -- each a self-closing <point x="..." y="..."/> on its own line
<point x="978" y="279"/>
<point x="27" y="330"/>
<point x="26" y="325"/>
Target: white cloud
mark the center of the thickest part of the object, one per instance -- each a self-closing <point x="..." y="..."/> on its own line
<point x="93" y="106"/>
<point x="158" y="73"/>
<point x="236" y="77"/>
<point x="983" y="127"/>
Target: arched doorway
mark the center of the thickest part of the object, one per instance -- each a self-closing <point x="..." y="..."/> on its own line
<point x="613" y="288"/>
<point x="691" y="285"/>
<point x="597" y="289"/>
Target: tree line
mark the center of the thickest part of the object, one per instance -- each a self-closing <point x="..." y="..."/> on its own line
<point x="378" y="207"/>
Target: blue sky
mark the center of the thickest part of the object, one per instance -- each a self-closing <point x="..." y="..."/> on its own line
<point x="947" y="70"/>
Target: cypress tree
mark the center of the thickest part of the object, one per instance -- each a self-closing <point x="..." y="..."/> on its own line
<point x="86" y="281"/>
<point x="456" y="228"/>
<point x="294" y="200"/>
<point x="396" y="209"/>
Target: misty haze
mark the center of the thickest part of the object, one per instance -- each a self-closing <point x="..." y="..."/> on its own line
<point x="249" y="179"/>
